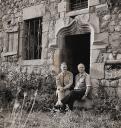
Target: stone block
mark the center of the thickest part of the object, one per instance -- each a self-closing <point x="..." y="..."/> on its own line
<point x="107" y="17"/>
<point x="119" y="83"/>
<point x="97" y="46"/>
<point x="114" y="39"/>
<point x="97" y="71"/>
<point x="57" y="58"/>
<point x="118" y="28"/>
<point x="62" y="7"/>
<point x="62" y="14"/>
<point x="119" y="16"/>
<point x="83" y="19"/>
<point x="102" y="9"/>
<point x="111" y="28"/>
<point x="20" y="46"/>
<point x="44" y="53"/>
<point x="119" y="56"/>
<point x="119" y="92"/>
<point x="45" y="26"/>
<point x="52" y="0"/>
<point x="46" y="17"/>
<point x="116" y="10"/>
<point x="110" y="87"/>
<point x="112" y="73"/>
<point x="33" y="12"/>
<point x="95" y="85"/>
<point x="104" y="26"/>
<point x="101" y="37"/>
<point x="15" y="42"/>
<point x="111" y="92"/>
<point x="114" y="83"/>
<point x="94" y="55"/>
<point x="29" y="69"/>
<point x="120" y="23"/>
<point x="24" y="69"/>
<point x="45" y="39"/>
<point x="114" y="17"/>
<point x="21" y="33"/>
<point x="112" y="23"/>
<point x="1" y="34"/>
<point x="95" y="23"/>
<point x="59" y="24"/>
<point x="119" y="88"/>
<point x="93" y="2"/>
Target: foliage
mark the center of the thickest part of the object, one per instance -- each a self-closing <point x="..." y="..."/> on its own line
<point x="22" y="83"/>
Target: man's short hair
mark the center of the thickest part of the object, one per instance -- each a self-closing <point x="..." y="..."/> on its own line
<point x="81" y="64"/>
<point x="63" y="63"/>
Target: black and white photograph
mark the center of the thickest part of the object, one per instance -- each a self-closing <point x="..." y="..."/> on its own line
<point x="60" y="63"/>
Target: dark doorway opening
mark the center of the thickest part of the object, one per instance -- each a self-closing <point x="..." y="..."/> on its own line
<point x="77" y="50"/>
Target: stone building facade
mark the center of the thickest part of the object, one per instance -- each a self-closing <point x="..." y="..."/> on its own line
<point x="40" y="34"/>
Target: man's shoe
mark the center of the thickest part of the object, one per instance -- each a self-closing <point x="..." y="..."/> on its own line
<point x="59" y="103"/>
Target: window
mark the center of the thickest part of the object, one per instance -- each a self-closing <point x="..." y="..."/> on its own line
<point x="12" y="42"/>
<point x="33" y="39"/>
<point x="102" y="1"/>
<point x="78" y="4"/>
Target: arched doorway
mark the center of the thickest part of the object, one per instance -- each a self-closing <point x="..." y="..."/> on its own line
<point x="74" y="42"/>
<point x="77" y="50"/>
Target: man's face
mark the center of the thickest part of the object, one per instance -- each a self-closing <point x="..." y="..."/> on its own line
<point x="81" y="68"/>
<point x="63" y="68"/>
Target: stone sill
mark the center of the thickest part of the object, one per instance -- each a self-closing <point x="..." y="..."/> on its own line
<point x="113" y="62"/>
<point x="36" y="62"/>
<point x="9" y="53"/>
<point x="77" y="12"/>
<point x="101" y="5"/>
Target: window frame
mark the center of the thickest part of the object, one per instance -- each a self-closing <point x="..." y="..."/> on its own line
<point x="76" y="6"/>
<point x="27" y="41"/>
<point x="15" y="43"/>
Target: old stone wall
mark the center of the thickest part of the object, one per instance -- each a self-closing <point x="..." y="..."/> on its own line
<point x="102" y="22"/>
<point x="105" y="67"/>
<point x="12" y="16"/>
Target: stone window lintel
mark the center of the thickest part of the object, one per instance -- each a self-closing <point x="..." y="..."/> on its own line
<point x="77" y="12"/>
<point x="9" y="53"/>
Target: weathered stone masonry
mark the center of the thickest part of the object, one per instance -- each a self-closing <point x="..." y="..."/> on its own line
<point x="58" y="21"/>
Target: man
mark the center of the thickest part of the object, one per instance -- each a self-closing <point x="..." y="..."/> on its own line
<point x="81" y="89"/>
<point x="63" y="82"/>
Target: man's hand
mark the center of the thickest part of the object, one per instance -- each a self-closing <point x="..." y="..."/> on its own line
<point x="56" y="92"/>
<point x="84" y="97"/>
<point x="59" y="89"/>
